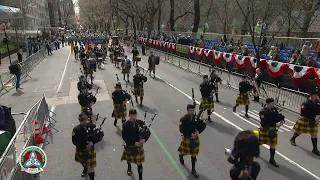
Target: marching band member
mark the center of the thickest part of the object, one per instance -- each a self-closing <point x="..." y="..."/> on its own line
<point x="85" y="151"/>
<point x="246" y="148"/>
<point x="135" y="54"/>
<point x="133" y="151"/>
<point x="214" y="80"/>
<point x="243" y="98"/>
<point x="308" y="121"/>
<point x="119" y="104"/>
<point x="271" y="120"/>
<point x="86" y="100"/>
<point x="138" y="81"/>
<point x="116" y="55"/>
<point x="88" y="71"/>
<point x="207" y="102"/>
<point x="258" y="79"/>
<point x="190" y="144"/>
<point x="83" y="82"/>
<point x="152" y="64"/>
<point x="126" y="67"/>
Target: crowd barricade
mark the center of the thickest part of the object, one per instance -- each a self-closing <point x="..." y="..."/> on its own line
<point x="7" y="80"/>
<point x="24" y="137"/>
<point x="284" y="97"/>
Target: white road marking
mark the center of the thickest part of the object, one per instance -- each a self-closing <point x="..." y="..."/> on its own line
<point x="239" y="128"/>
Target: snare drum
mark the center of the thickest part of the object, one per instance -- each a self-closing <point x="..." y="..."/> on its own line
<point x="138" y="58"/>
<point x="92" y="64"/>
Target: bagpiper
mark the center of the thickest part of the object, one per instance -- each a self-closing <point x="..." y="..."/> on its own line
<point x="85" y="152"/>
<point x="83" y="82"/>
<point x="135" y="54"/>
<point x="119" y="104"/>
<point x="126" y="67"/>
<point x="86" y="101"/>
<point x="138" y="81"/>
<point x="133" y="149"/>
<point x="258" y="79"/>
<point x="308" y="121"/>
<point x="207" y="102"/>
<point x="190" y="129"/>
<point x="270" y="120"/>
<point x="152" y="64"/>
<point x="243" y="98"/>
<point x="214" y="80"/>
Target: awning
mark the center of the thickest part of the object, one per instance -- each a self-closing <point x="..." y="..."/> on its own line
<point x="8" y="13"/>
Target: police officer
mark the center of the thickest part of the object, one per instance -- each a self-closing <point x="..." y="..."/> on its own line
<point x="152" y="64"/>
<point x="138" y="81"/>
<point x="86" y="100"/>
<point x="271" y="121"/>
<point x="133" y="151"/>
<point x="246" y="148"/>
<point x="119" y="104"/>
<point x="214" y="80"/>
<point x="207" y="102"/>
<point x="85" y="152"/>
<point x="243" y="98"/>
<point x="190" y="144"/>
<point x="83" y="82"/>
<point x="308" y="122"/>
<point x="135" y="54"/>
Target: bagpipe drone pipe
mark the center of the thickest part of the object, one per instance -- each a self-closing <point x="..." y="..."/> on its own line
<point x="199" y="122"/>
<point x="95" y="134"/>
<point x="144" y="132"/>
<point x="126" y="93"/>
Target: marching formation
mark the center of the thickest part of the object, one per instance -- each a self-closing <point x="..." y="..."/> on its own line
<point x="136" y="132"/>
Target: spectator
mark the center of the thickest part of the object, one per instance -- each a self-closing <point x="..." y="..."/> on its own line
<point x="311" y="62"/>
<point x="231" y="41"/>
<point x="224" y="39"/>
<point x="318" y="48"/>
<point x="306" y="48"/>
<point x="293" y="59"/>
<point x="19" y="54"/>
<point x="236" y="50"/>
<point x="300" y="61"/>
<point x="230" y="48"/>
<point x="15" y="69"/>
<point x="201" y="43"/>
<point x="271" y="52"/>
<point x="281" y="46"/>
<point x="291" y="53"/>
<point x="276" y="55"/>
<point x="245" y="50"/>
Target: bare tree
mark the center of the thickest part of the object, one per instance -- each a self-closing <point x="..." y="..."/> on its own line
<point x="183" y="8"/>
<point x="310" y="7"/>
<point x="223" y="11"/>
<point x="196" y="20"/>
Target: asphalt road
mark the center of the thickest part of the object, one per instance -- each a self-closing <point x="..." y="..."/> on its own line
<point x="167" y="95"/>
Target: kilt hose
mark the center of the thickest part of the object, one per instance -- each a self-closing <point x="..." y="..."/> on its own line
<point x="243" y="99"/>
<point x="138" y="91"/>
<point x="152" y="67"/>
<point x="119" y="111"/>
<point x="302" y="127"/>
<point x="137" y="159"/>
<point x="185" y="147"/>
<point x="126" y="71"/>
<point x="264" y="137"/>
<point x="206" y="104"/>
<point x="91" y="162"/>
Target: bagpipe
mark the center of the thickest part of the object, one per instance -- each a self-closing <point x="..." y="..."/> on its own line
<point x="125" y="93"/>
<point x="95" y="134"/>
<point x="144" y="132"/>
<point x="199" y="122"/>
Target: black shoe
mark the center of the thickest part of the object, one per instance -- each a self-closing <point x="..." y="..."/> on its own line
<point x="274" y="163"/>
<point x="141" y="105"/>
<point x="115" y="122"/>
<point x="84" y="174"/>
<point x="217" y="101"/>
<point x="195" y="174"/>
<point x="316" y="152"/>
<point x="234" y="109"/>
<point x="247" y="116"/>
<point x="129" y="172"/>
<point x="209" y="119"/>
<point x="181" y="160"/>
<point x="293" y="142"/>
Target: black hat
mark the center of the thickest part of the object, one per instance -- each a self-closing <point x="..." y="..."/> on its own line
<point x="118" y="85"/>
<point x="82" y="117"/>
<point x="205" y="76"/>
<point x="314" y="93"/>
<point x="269" y="100"/>
<point x="137" y="69"/>
<point x="190" y="106"/>
<point x="132" y="112"/>
<point x="84" y="87"/>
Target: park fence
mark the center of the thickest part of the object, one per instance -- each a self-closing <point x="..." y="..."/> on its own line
<point x="24" y="137"/>
<point x="284" y="97"/>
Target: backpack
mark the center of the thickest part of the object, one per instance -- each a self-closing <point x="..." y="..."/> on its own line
<point x="14" y="68"/>
<point x="9" y="123"/>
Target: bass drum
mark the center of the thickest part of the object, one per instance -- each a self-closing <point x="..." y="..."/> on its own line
<point x="92" y="63"/>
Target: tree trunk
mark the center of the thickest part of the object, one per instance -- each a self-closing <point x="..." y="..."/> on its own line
<point x="134" y="28"/>
<point x="196" y="20"/>
<point x="159" y="15"/>
<point x="172" y="15"/>
<point x="306" y="22"/>
<point x="59" y="13"/>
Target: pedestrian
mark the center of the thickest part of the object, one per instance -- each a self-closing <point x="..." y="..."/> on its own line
<point x="15" y="69"/>
<point x="19" y="54"/>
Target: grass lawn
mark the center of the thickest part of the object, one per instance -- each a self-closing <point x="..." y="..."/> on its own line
<point x="3" y="48"/>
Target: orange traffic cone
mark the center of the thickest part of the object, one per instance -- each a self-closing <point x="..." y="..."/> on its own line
<point x="37" y="136"/>
<point x="45" y="129"/>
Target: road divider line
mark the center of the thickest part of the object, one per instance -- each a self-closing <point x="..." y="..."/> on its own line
<point x="239" y="128"/>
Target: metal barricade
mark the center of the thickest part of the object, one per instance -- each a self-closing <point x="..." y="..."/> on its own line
<point x="23" y="138"/>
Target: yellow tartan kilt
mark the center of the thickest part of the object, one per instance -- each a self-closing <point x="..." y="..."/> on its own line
<point x="126" y="71"/>
<point x="206" y="104"/>
<point x="264" y="137"/>
<point x="302" y="127"/>
<point x="243" y="99"/>
<point x="88" y="71"/>
<point x="137" y="159"/>
<point x="119" y="111"/>
<point x="91" y="162"/>
<point x="185" y="149"/>
<point x="138" y="91"/>
<point x="152" y="68"/>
